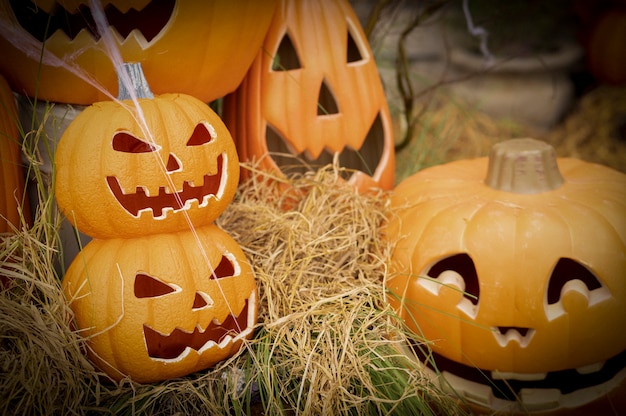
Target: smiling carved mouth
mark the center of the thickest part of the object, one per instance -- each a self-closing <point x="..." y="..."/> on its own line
<point x="43" y="24"/>
<point x="172" y="346"/>
<point x="509" y="386"/>
<point x="135" y="202"/>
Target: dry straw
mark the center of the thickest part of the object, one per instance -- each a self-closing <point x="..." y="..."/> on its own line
<point x="326" y="342"/>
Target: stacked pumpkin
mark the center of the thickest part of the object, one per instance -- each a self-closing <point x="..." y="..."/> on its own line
<point x="160" y="291"/>
<point x="514" y="267"/>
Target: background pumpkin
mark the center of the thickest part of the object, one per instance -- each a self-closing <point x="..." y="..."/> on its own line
<point x="313" y="90"/>
<point x="115" y="179"/>
<point x="507" y="267"/>
<point x="184" y="46"/>
<point x="606" y="37"/>
<point x="12" y="196"/>
<point x="162" y="306"/>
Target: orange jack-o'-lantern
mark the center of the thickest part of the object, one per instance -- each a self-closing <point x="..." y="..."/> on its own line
<point x="162" y="306"/>
<point x="313" y="91"/>
<point x="516" y="275"/>
<point x="184" y="46"/>
<point x="12" y="197"/>
<point x="124" y="173"/>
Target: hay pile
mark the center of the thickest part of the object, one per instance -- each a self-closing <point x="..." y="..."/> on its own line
<point x="595" y="130"/>
<point x="449" y="129"/>
<point x="321" y="347"/>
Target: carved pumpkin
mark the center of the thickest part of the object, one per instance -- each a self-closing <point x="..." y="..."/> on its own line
<point x="12" y="195"/>
<point x="312" y="91"/>
<point x="117" y="179"/>
<point x="162" y="306"/>
<point x="516" y="274"/>
<point x="184" y="46"/>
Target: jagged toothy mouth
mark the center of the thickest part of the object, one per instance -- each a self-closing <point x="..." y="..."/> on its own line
<point x="164" y="201"/>
<point x="42" y="24"/>
<point x="179" y="343"/>
<point x="366" y="159"/>
<point x="481" y="386"/>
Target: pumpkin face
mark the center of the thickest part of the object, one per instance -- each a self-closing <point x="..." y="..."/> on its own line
<point x="312" y="91"/>
<point x="522" y="294"/>
<point x="117" y="179"/>
<point x="162" y="306"/>
<point x="12" y="195"/>
<point x="184" y="46"/>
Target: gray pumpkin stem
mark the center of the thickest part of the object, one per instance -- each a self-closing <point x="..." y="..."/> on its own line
<point x="523" y="166"/>
<point x="134" y="75"/>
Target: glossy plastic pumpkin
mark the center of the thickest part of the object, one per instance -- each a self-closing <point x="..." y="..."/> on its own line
<point x="119" y="178"/>
<point x="312" y="91"/>
<point x="162" y="306"/>
<point x="514" y="268"/>
<point x="184" y="46"/>
<point x="12" y="196"/>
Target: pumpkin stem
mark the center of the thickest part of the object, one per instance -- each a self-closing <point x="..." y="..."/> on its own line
<point x="130" y="74"/>
<point x="523" y="166"/>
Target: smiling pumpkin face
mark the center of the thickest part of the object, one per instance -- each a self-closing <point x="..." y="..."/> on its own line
<point x="117" y="178"/>
<point x="184" y="46"/>
<point x="521" y="294"/>
<point x="162" y="306"/>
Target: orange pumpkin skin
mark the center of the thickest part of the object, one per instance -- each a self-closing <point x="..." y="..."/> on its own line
<point x="12" y="196"/>
<point x="313" y="90"/>
<point x="606" y="56"/>
<point x="191" y="53"/>
<point x="528" y="311"/>
<point x="196" y="290"/>
<point x="115" y="180"/>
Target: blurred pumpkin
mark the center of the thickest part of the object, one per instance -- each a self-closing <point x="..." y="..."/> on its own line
<point x="313" y="91"/>
<point x="184" y="46"/>
<point x="606" y="55"/>
<point x="122" y="173"/>
<point x="162" y="306"/>
<point x="513" y="269"/>
<point x="12" y="196"/>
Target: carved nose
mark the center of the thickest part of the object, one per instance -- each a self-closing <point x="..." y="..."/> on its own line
<point x="172" y="164"/>
<point x="519" y="335"/>
<point x="326" y="103"/>
<point x="202" y="300"/>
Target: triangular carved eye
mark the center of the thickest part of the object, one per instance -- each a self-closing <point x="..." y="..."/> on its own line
<point x="567" y="270"/>
<point x="463" y="265"/>
<point x="286" y="58"/>
<point x="226" y="268"/>
<point x="200" y="136"/>
<point x="127" y="143"/>
<point x="354" y="49"/>
<point x="150" y="287"/>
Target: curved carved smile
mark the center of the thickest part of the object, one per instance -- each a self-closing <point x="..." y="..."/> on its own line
<point x="138" y="201"/>
<point x="149" y="21"/>
<point x="508" y="386"/>
<point x="178" y="342"/>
